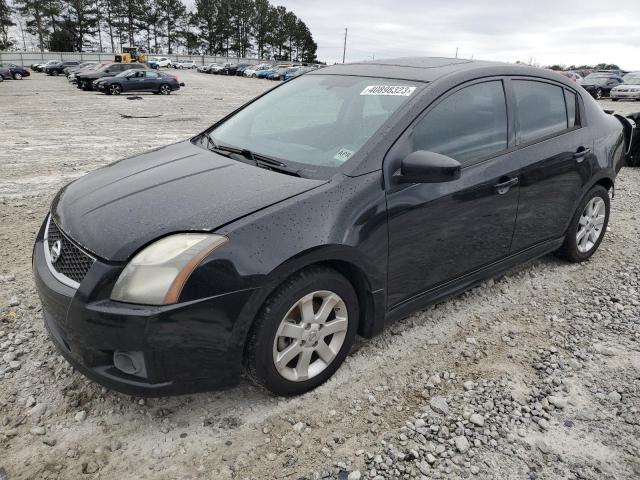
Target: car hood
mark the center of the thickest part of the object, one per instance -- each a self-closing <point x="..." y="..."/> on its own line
<point x="115" y="210"/>
<point x="594" y="83"/>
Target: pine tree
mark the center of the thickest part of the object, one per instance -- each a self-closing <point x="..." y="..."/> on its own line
<point x="261" y="24"/>
<point x="5" y="23"/>
<point x="172" y="12"/>
<point x="83" y="20"/>
<point x="36" y="19"/>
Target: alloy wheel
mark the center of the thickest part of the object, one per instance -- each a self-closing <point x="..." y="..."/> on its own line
<point x="590" y="224"/>
<point x="165" y="89"/>
<point x="115" y="89"/>
<point x="599" y="94"/>
<point x="17" y="76"/>
<point x="310" y="336"/>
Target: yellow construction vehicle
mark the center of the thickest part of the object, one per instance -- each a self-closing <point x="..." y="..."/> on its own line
<point x="131" y="54"/>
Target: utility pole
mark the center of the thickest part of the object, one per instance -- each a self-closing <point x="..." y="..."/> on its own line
<point x="456" y="52"/>
<point x="344" y="50"/>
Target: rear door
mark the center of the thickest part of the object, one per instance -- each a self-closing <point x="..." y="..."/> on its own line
<point x="442" y="231"/>
<point x="151" y="81"/>
<point x="554" y="153"/>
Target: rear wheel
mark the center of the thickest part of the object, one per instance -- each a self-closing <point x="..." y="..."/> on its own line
<point x="115" y="89"/>
<point x="303" y="333"/>
<point x="588" y="226"/>
<point x="165" y="89"/>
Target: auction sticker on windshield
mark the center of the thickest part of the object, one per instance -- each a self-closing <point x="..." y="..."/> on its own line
<point x="400" y="91"/>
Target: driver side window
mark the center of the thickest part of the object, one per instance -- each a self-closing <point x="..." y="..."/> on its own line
<point x="467" y="125"/>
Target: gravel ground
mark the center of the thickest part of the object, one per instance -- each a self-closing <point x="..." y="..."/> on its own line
<point x="532" y="375"/>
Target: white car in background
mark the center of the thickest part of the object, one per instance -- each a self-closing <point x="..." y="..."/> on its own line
<point x="186" y="64"/>
<point x="160" y="62"/>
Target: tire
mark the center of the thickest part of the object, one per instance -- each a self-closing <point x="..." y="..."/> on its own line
<point x="267" y="340"/>
<point x="1" y="78"/>
<point x="165" y="89"/>
<point x="86" y="85"/>
<point x="115" y="89"/>
<point x="575" y="250"/>
<point x="17" y="76"/>
<point x="55" y="73"/>
<point x="615" y="99"/>
<point x="599" y="94"/>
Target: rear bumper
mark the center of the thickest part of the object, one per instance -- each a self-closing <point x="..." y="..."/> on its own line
<point x="183" y="348"/>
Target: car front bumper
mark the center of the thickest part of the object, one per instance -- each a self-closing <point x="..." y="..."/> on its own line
<point x="177" y="349"/>
<point x="625" y="95"/>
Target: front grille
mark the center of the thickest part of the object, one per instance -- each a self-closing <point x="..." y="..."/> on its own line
<point x="73" y="263"/>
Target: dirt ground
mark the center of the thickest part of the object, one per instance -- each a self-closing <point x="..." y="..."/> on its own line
<point x="534" y="375"/>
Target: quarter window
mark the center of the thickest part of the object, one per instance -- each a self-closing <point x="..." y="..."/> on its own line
<point x="467" y="125"/>
<point x="572" y="108"/>
<point x="541" y="109"/>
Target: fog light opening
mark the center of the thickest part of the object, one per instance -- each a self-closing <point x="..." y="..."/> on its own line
<point x="131" y="363"/>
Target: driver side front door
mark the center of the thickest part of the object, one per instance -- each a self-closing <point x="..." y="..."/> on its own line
<point x="441" y="232"/>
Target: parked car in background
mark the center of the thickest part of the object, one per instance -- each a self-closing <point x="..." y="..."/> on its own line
<point x="5" y="74"/>
<point x="39" y="67"/>
<point x="241" y="68"/>
<point x="160" y="62"/>
<point x="138" y="81"/>
<point x="253" y="70"/>
<point x="404" y="182"/>
<point x="185" y="64"/>
<point x="72" y="77"/>
<point x="69" y="70"/>
<point x="85" y="79"/>
<point x="629" y="89"/>
<point x="229" y="69"/>
<point x="266" y="72"/>
<point x="599" y="84"/>
<point x="279" y="73"/>
<point x="294" y="72"/>
<point x="576" y="77"/>
<point x="207" y="68"/>
<point x="17" y="72"/>
<point x="58" y="68"/>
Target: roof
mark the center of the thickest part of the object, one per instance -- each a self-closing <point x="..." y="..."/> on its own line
<point x="424" y="69"/>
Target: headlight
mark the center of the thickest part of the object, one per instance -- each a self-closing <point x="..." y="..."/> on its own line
<point x="157" y="274"/>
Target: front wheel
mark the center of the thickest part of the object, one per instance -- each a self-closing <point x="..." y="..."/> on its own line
<point x="588" y="226"/>
<point x="115" y="89"/>
<point x="303" y="333"/>
<point x="599" y="94"/>
<point x="17" y="76"/>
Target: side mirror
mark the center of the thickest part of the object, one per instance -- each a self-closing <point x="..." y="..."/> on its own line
<point x="428" y="167"/>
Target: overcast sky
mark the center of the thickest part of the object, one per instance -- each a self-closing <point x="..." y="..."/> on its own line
<point x="547" y="31"/>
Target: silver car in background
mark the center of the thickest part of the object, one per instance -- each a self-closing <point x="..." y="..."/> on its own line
<point x="629" y="90"/>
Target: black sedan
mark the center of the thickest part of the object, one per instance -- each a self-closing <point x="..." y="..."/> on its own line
<point x="59" y="67"/>
<point x="599" y="85"/>
<point x="85" y="78"/>
<point x="16" y="72"/>
<point x="139" y="81"/>
<point x="266" y="243"/>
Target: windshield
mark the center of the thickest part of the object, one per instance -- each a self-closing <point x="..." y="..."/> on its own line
<point x="319" y="120"/>
<point x="632" y="78"/>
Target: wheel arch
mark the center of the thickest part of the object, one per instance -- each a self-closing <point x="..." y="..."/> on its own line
<point x="371" y="300"/>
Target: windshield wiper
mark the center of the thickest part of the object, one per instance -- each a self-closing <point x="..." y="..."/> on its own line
<point x="259" y="160"/>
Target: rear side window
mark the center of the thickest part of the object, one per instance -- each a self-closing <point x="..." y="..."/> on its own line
<point x="572" y="108"/>
<point x="541" y="109"/>
<point x="467" y="125"/>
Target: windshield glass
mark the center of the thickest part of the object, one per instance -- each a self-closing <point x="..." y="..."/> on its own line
<point x="320" y="120"/>
<point x="632" y="78"/>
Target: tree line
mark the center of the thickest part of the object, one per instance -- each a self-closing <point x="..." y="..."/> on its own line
<point x="216" y="27"/>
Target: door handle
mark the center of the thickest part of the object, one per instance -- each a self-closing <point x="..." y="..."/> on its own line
<point x="581" y="154"/>
<point x="504" y="187"/>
